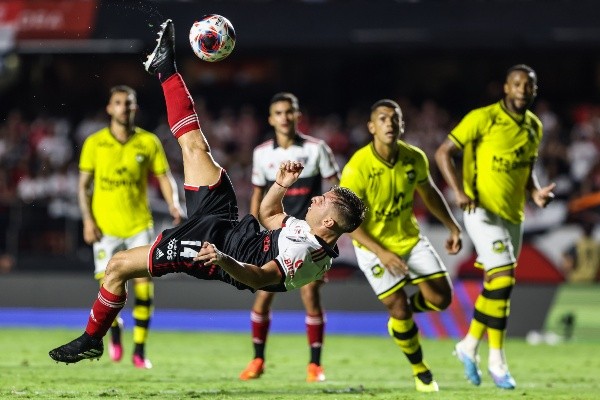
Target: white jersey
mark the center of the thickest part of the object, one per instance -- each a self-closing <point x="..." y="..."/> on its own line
<point x="302" y="257"/>
<point x="317" y="158"/>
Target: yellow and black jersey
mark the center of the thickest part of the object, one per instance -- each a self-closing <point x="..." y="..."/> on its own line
<point x="119" y="202"/>
<point x="388" y="191"/>
<point x="499" y="150"/>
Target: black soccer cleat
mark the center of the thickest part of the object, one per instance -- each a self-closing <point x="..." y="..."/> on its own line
<point x="82" y="348"/>
<point x="162" y="58"/>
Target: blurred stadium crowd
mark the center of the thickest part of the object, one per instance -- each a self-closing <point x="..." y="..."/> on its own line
<point x="39" y="162"/>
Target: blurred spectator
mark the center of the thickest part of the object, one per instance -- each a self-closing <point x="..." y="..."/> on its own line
<point x="581" y="262"/>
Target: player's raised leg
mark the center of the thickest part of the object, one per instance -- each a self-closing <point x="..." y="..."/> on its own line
<point x="122" y="267"/>
<point x="200" y="169"/>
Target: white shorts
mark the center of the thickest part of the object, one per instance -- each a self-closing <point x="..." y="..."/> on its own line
<point x="109" y="245"/>
<point x="423" y="264"/>
<point x="496" y="240"/>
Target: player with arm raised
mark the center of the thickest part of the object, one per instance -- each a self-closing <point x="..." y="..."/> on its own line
<point x="319" y="164"/>
<point x="213" y="244"/>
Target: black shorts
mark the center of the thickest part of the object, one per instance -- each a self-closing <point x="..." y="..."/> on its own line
<point x="212" y="217"/>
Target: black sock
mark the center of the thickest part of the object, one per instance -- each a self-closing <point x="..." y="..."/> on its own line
<point x="115" y="332"/>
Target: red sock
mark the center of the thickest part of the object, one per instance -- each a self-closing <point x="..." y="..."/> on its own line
<point x="180" y="106"/>
<point x="315" y="328"/>
<point x="104" y="311"/>
<point x="260" y="327"/>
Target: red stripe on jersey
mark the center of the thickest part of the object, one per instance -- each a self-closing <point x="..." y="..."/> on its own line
<point x="210" y="187"/>
<point x="318" y="254"/>
<point x="156" y="242"/>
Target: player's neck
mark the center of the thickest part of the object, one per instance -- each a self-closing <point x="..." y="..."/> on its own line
<point x="121" y="132"/>
<point x="388" y="152"/>
<point x="285" y="140"/>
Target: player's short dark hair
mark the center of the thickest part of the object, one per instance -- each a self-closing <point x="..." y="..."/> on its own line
<point x="524" y="68"/>
<point x="123" y="89"/>
<point x="350" y="207"/>
<point x="385" y="103"/>
<point x="286" y="96"/>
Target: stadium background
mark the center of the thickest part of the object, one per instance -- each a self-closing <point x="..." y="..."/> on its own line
<point x="438" y="59"/>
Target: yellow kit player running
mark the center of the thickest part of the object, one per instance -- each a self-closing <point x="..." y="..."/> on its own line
<point x="114" y="166"/>
<point x="500" y="145"/>
<point x="389" y="248"/>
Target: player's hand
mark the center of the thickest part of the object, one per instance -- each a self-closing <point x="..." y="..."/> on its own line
<point x="288" y="173"/>
<point x="393" y="263"/>
<point x="454" y="243"/>
<point x="465" y="202"/>
<point x="91" y="232"/>
<point x="543" y="196"/>
<point x="209" y="254"/>
<point x="177" y="213"/>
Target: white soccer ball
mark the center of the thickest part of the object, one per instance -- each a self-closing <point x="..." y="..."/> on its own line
<point x="212" y="38"/>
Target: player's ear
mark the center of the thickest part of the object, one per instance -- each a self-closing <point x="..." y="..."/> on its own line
<point x="328" y="222"/>
<point x="371" y="127"/>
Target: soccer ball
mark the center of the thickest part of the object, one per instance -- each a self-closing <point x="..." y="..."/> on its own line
<point x="212" y="38"/>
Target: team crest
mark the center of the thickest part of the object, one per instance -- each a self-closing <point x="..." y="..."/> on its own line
<point x="140" y="158"/>
<point x="411" y="175"/>
<point x="101" y="255"/>
<point x="498" y="246"/>
<point x="377" y="271"/>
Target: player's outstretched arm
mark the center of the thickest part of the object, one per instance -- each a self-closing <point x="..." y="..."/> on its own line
<point x="271" y="213"/>
<point x="249" y="274"/>
<point x="438" y="206"/>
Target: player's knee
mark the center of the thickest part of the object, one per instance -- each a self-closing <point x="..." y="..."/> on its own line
<point x="116" y="267"/>
<point x="438" y="301"/>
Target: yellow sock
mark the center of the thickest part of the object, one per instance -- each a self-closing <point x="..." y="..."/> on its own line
<point x="405" y="334"/>
<point x="142" y="310"/>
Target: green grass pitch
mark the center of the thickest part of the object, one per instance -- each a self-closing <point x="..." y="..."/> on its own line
<point x="197" y="365"/>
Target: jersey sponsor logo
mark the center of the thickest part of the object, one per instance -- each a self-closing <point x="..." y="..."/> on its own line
<point x="266" y="243"/>
<point x="502" y="164"/>
<point x="375" y="172"/>
<point x="171" y="249"/>
<point x="377" y="271"/>
<point x="113" y="184"/>
<point x="301" y="191"/>
<point x="292" y="267"/>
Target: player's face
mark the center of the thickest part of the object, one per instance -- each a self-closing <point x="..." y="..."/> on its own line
<point x="386" y="124"/>
<point x="121" y="108"/>
<point x="320" y="207"/>
<point x="283" y="118"/>
<point x="519" y="91"/>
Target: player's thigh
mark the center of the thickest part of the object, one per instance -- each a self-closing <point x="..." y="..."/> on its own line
<point x="199" y="166"/>
<point x="424" y="263"/>
<point x="143" y="238"/>
<point x="381" y="280"/>
<point x="129" y="264"/>
<point x="103" y="250"/>
<point x="263" y="301"/>
<point x="491" y="238"/>
<point x="428" y="272"/>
